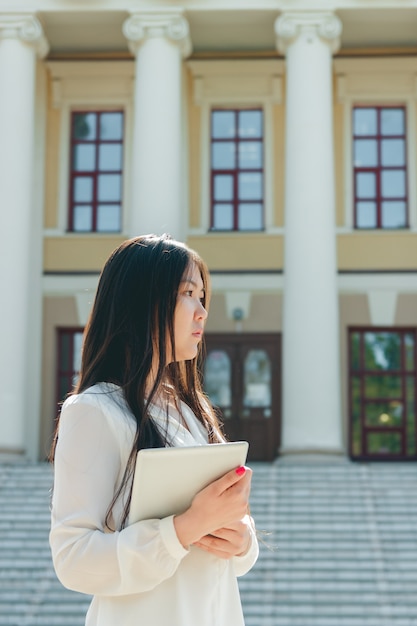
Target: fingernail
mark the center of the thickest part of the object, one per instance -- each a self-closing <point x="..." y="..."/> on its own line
<point x="240" y="470"/>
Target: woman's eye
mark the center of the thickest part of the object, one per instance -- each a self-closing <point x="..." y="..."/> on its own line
<point x="189" y="292"/>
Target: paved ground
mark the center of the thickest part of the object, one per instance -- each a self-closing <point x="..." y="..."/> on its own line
<point x="341" y="548"/>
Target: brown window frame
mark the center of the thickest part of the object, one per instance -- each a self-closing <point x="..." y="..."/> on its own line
<point x="361" y="373"/>
<point x="379" y="168"/>
<point x="234" y="172"/>
<point x="94" y="173"/>
<point x="62" y="372"/>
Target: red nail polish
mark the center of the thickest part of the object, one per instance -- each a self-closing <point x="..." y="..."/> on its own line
<point x="240" y="470"/>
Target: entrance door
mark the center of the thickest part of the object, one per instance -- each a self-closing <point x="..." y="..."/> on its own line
<point x="242" y="377"/>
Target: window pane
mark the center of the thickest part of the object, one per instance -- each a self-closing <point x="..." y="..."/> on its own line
<point x="250" y="123"/>
<point x="383" y="386"/>
<point x="356" y="416"/>
<point x="409" y="341"/>
<point x="384" y="443"/>
<point x="223" y="124"/>
<point x="384" y="413"/>
<point x="366" y="153"/>
<point x="109" y="187"/>
<point x="250" y="216"/>
<point x="355" y="340"/>
<point x="392" y="122"/>
<point x="223" y="216"/>
<point x="83" y="189"/>
<point x="84" y="126"/>
<point x="111" y="126"/>
<point x="366" y="214"/>
<point x="83" y="218"/>
<point x="393" y="183"/>
<point x="217" y="378"/>
<point x="64" y="386"/>
<point x="411" y="415"/>
<point x="84" y="157"/>
<point x="108" y="217"/>
<point x="394" y="215"/>
<point x="365" y="185"/>
<point x="250" y="155"/>
<point x="365" y="121"/>
<point x="382" y="351"/>
<point x="257" y="379"/>
<point x="223" y="187"/>
<point x="223" y="155"/>
<point x="110" y="156"/>
<point x="393" y="152"/>
<point x="65" y="351"/>
<point x="250" y="186"/>
<point x="77" y="345"/>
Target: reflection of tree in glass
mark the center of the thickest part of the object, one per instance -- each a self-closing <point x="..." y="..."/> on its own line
<point x="355" y="350"/>
<point x="382" y="351"/>
<point x="82" y="125"/>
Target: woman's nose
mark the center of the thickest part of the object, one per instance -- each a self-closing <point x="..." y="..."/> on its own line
<point x="201" y="312"/>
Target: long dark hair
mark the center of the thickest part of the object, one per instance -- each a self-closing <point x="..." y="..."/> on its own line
<point x="130" y="326"/>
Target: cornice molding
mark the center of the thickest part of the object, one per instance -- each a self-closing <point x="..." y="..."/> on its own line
<point x="25" y="27"/>
<point x="323" y="24"/>
<point x="169" y="23"/>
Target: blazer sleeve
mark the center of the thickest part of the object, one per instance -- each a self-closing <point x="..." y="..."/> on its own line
<point x="242" y="564"/>
<point x="87" y="557"/>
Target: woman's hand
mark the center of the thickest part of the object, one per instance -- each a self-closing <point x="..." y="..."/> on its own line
<point x="221" y="505"/>
<point x="228" y="542"/>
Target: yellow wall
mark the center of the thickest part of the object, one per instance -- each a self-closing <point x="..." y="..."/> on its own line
<point x="339" y="161"/>
<point x="77" y="253"/>
<point x="194" y="154"/>
<point x="278" y="113"/>
<point x="240" y="251"/>
<point x="385" y="250"/>
<point x="53" y="128"/>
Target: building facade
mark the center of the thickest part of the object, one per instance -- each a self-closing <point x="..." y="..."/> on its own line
<point x="276" y="138"/>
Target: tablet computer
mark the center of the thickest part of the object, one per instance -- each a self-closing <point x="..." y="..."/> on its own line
<point x="167" y="479"/>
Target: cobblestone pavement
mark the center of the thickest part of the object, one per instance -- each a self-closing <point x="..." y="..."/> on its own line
<point x="339" y="547"/>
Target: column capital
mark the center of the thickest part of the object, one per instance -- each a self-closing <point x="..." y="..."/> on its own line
<point x="168" y="23"/>
<point x="323" y="24"/>
<point x="27" y="28"/>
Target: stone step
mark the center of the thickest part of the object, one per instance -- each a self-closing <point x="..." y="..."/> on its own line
<point x="340" y="547"/>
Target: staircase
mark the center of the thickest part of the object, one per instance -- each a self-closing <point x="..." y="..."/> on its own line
<point x="341" y="548"/>
<point x="343" y="544"/>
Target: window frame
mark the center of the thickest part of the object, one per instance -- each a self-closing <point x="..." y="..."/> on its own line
<point x="234" y="173"/>
<point x="88" y="86"/>
<point x="94" y="174"/>
<point x="60" y="332"/>
<point x="361" y="374"/>
<point x="379" y="168"/>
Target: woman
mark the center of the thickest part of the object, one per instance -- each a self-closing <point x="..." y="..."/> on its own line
<point x="139" y="388"/>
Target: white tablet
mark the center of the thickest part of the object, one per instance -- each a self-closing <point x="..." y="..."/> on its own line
<point x="167" y="479"/>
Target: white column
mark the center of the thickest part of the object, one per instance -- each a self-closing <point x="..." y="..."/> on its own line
<point x="21" y="40"/>
<point x="311" y="366"/>
<point x="159" y="41"/>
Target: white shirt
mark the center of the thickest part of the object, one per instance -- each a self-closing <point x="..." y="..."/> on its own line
<point x="140" y="575"/>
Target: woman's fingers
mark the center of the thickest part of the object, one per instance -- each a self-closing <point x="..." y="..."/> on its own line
<point x="230" y="541"/>
<point x="231" y="478"/>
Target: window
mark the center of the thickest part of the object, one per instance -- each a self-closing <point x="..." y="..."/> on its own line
<point x="69" y="360"/>
<point x="96" y="171"/>
<point x="380" y="167"/>
<point x="382" y="391"/>
<point x="237" y="170"/>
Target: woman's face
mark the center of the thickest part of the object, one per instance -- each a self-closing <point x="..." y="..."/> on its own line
<point x="190" y="315"/>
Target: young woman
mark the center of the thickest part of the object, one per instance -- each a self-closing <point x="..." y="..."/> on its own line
<point x="139" y="388"/>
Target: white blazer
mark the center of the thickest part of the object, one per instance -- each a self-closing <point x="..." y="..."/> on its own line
<point x="140" y="575"/>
